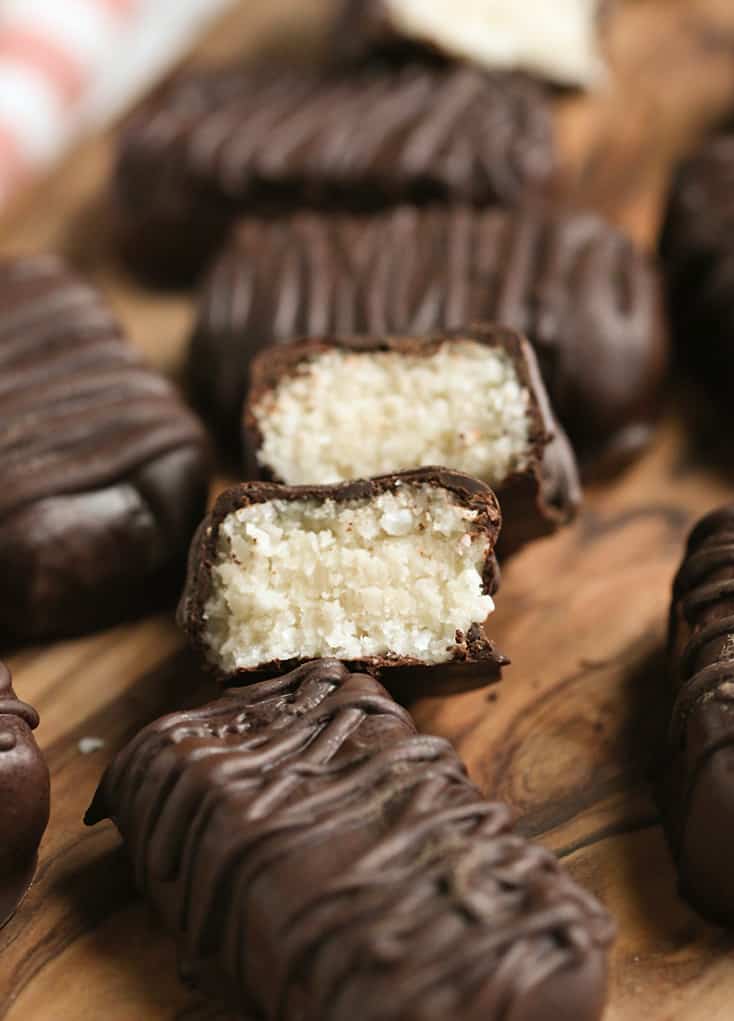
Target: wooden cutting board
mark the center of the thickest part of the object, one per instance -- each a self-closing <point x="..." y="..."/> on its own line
<point x="566" y="738"/>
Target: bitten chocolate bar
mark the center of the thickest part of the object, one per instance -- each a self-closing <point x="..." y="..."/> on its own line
<point x="317" y="858"/>
<point x="696" y="785"/>
<point x="24" y="797"/>
<point x="103" y="469"/>
<point x="586" y="299"/>
<point x="559" y="41"/>
<point x="386" y="572"/>
<point x="216" y="145"/>
<point x="325" y="411"/>
<point x="698" y="254"/>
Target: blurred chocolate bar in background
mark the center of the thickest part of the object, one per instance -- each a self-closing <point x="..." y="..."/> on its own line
<point x="586" y="298"/>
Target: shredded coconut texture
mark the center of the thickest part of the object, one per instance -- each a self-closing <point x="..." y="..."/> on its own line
<point x="394" y="575"/>
<point x="557" y="40"/>
<point x="347" y="415"/>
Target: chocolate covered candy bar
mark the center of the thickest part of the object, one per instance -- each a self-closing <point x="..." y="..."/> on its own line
<point x="218" y="145"/>
<point x="325" y="411"/>
<point x="103" y="470"/>
<point x="559" y="41"/>
<point x="698" y="251"/>
<point x="697" y="777"/>
<point x="24" y="797"/>
<point x="571" y="283"/>
<point x="317" y="858"/>
<point x="385" y="572"/>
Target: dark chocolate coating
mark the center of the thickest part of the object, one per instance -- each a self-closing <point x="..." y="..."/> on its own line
<point x="697" y="247"/>
<point x="472" y="647"/>
<point x="576" y="287"/>
<point x="103" y="470"/>
<point x="534" y="502"/>
<point x="217" y="145"/>
<point x="697" y="779"/>
<point x="24" y="797"/>
<point x="319" y="859"/>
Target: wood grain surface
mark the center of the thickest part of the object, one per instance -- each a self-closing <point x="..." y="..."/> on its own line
<point x="567" y="738"/>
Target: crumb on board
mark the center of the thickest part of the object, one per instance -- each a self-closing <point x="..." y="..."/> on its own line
<point x="87" y="745"/>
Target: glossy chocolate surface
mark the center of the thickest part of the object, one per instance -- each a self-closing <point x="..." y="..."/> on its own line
<point x="103" y="470"/>
<point x="587" y="300"/>
<point x="24" y="797"/>
<point x="318" y="858"/>
<point x="697" y="778"/>
<point x="214" y="146"/>
<point x="534" y="502"/>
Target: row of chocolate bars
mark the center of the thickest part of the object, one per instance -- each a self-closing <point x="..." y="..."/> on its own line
<point x="315" y="856"/>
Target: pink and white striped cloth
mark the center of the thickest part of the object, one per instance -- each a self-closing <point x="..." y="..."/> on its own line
<point x="68" y="66"/>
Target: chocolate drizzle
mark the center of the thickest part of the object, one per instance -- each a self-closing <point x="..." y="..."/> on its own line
<point x="575" y="286"/>
<point x="217" y="145"/>
<point x="703" y="588"/>
<point x="103" y="470"/>
<point x="79" y="408"/>
<point x="302" y="838"/>
<point x="11" y="705"/>
<point x="24" y="797"/>
<point x="697" y="793"/>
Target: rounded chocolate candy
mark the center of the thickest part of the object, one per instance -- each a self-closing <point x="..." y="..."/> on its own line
<point x="24" y="797"/>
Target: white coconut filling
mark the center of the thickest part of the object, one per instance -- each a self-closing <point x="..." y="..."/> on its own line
<point x="395" y="574"/>
<point x="346" y="415"/>
<point x="558" y="40"/>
